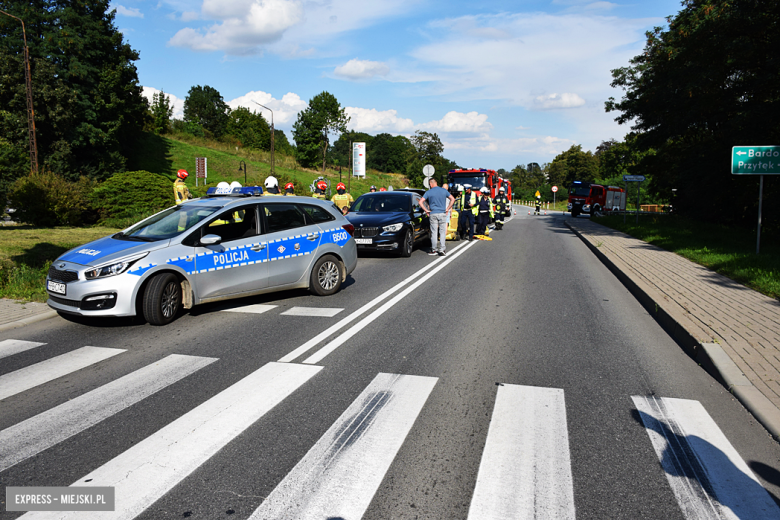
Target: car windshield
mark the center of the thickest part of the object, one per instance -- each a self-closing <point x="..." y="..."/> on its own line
<point x="383" y="203"/>
<point x="580" y="190"/>
<point x="167" y="224"/>
<point x="476" y="181"/>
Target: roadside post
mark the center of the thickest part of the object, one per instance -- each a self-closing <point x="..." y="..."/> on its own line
<point x="756" y="160"/>
<point x="638" y="179"/>
<point x="554" y="190"/>
<point x="201" y="170"/>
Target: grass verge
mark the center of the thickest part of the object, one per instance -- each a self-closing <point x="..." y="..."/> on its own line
<point x="27" y="252"/>
<point x="728" y="251"/>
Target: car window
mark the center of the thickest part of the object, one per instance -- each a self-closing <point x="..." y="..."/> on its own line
<point x="279" y="217"/>
<point x="233" y="224"/>
<point x="317" y="214"/>
<point x="382" y="203"/>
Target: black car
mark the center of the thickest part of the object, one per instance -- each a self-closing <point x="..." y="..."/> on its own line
<point x="388" y="221"/>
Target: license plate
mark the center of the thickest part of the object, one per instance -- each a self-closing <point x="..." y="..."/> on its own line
<point x="363" y="241"/>
<point x="56" y="287"/>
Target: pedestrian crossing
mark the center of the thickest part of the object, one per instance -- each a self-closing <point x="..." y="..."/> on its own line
<point x="525" y="470"/>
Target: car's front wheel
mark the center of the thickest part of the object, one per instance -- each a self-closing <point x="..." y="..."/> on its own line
<point x="326" y="276"/>
<point x="408" y="244"/>
<point x="162" y="299"/>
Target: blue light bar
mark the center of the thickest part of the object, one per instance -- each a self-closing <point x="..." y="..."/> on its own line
<point x="247" y="191"/>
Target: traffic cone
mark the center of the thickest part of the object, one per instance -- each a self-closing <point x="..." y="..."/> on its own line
<point x="545" y="213"/>
<point x="529" y="211"/>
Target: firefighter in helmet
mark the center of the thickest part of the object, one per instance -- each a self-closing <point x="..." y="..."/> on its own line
<point x="538" y="205"/>
<point x="502" y="205"/>
<point x="466" y="204"/>
<point x="382" y="189"/>
<point x="180" y="191"/>
<point x="484" y="211"/>
<point x="319" y="190"/>
<point x="272" y="186"/>
<point x="373" y="189"/>
<point x="289" y="189"/>
<point x="342" y="198"/>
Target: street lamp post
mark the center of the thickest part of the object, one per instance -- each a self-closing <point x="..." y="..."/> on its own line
<point x="272" y="136"/>
<point x="30" y="112"/>
<point x="240" y="163"/>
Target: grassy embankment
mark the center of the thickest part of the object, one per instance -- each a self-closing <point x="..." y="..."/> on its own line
<point x="728" y="251"/>
<point x="27" y="252"/>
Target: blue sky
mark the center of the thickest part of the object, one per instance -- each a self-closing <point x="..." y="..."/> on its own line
<point x="502" y="83"/>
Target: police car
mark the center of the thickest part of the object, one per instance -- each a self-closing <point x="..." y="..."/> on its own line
<point x="229" y="244"/>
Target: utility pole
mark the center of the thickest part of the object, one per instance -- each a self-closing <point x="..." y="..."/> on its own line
<point x="30" y="111"/>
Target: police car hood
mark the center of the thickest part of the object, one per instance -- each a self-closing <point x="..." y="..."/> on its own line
<point x="107" y="249"/>
<point x="376" y="219"/>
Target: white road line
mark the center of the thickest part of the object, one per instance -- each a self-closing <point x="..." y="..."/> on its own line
<point x="53" y="426"/>
<point x="339" y="476"/>
<point x="316" y="340"/>
<point x="708" y="477"/>
<point x="45" y="371"/>
<point x="255" y="308"/>
<point x="9" y="347"/>
<point x="525" y="471"/>
<point x="337" y="342"/>
<point x="316" y="312"/>
<point x="151" y="468"/>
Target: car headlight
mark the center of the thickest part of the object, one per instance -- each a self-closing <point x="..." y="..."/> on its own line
<point x="113" y="269"/>
<point x="393" y="227"/>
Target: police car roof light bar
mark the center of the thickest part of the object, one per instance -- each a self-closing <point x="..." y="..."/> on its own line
<point x="247" y="191"/>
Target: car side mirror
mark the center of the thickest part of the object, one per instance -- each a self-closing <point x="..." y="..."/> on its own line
<point x="210" y="240"/>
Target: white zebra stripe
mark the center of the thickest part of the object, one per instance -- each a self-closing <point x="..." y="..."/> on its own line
<point x="43" y="431"/>
<point x="9" y="347"/>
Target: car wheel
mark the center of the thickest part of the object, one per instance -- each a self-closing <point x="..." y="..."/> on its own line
<point x="326" y="276"/>
<point x="407" y="245"/>
<point x="162" y="299"/>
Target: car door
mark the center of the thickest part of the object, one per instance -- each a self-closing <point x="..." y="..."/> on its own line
<point x="420" y="219"/>
<point x="239" y="262"/>
<point x="292" y="241"/>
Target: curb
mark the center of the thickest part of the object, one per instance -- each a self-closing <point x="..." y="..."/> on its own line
<point x="710" y="356"/>
<point x="26" y="321"/>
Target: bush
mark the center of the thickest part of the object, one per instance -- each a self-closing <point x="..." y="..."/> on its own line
<point x="46" y="199"/>
<point x="128" y="197"/>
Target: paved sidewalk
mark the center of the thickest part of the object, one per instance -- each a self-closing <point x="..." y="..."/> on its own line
<point x="733" y="331"/>
<point x="15" y="314"/>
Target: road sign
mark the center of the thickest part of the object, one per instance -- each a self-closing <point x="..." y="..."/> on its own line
<point x="538" y="194"/>
<point x="427" y="182"/>
<point x="633" y="178"/>
<point x="428" y="170"/>
<point x="554" y="189"/>
<point x="755" y="160"/>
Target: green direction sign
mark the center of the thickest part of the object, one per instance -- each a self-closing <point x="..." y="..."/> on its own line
<point x="755" y="160"/>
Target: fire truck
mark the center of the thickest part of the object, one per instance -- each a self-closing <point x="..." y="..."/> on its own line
<point x="587" y="197"/>
<point x="478" y="178"/>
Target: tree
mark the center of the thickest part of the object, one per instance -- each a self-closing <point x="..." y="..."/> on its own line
<point x="161" y="110"/>
<point x="250" y="128"/>
<point x="205" y="107"/>
<point x="703" y="85"/>
<point x="574" y="165"/>
<point x="89" y="108"/>
<point x="281" y="144"/>
<point x="340" y="153"/>
<point x="389" y="153"/>
<point x="426" y="149"/>
<point x="323" y="116"/>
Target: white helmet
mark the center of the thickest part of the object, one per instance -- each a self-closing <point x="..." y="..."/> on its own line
<point x="271" y="182"/>
<point x="235" y="184"/>
<point x="467" y="186"/>
<point x="501" y="189"/>
<point x="223" y="185"/>
<point x="483" y="189"/>
<point x="459" y="187"/>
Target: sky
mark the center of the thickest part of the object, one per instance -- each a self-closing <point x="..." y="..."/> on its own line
<point x="502" y="83"/>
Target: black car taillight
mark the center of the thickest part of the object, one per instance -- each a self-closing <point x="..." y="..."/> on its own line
<point x="349" y="228"/>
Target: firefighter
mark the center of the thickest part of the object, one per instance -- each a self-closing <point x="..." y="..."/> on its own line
<point x="272" y="186"/>
<point x="342" y="198"/>
<point x="180" y="191"/>
<point x="319" y="190"/>
<point x="538" y="205"/>
<point x="289" y="189"/>
<point x="373" y="189"/>
<point x="502" y="203"/>
<point x="484" y="211"/>
<point x="382" y="189"/>
<point x="467" y="203"/>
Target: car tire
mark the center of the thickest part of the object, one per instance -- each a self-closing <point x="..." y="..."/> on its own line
<point x="408" y="244"/>
<point x="162" y="299"/>
<point x="326" y="276"/>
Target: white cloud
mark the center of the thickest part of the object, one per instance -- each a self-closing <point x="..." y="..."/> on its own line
<point x="129" y="11"/>
<point x="176" y="103"/>
<point x="285" y="110"/>
<point x="245" y="25"/>
<point x="356" y="69"/>
<point x="459" y="122"/>
<point x="565" y="100"/>
<point x="375" y="121"/>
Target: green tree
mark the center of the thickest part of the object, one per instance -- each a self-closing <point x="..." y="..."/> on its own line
<point x="323" y="116"/>
<point x="574" y="165"/>
<point x="205" y="107"/>
<point x="281" y="144"/>
<point x="702" y="85"/>
<point x="250" y="128"/>
<point x="389" y="152"/>
<point x="161" y="110"/>
<point x="426" y="149"/>
<point x="89" y="111"/>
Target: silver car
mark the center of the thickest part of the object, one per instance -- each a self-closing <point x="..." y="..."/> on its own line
<point x="209" y="249"/>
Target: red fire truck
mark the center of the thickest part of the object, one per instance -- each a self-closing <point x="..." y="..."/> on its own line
<point x="478" y="178"/>
<point x="587" y="197"/>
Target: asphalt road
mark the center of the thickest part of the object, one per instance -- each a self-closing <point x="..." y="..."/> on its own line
<point x="387" y="416"/>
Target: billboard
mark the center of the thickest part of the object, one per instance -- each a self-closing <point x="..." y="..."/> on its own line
<point x="359" y="159"/>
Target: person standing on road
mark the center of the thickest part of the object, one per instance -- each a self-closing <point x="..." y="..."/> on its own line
<point x="180" y="191"/>
<point x="502" y="204"/>
<point x="289" y="189"/>
<point x="342" y="198"/>
<point x="538" y="206"/>
<point x="319" y="190"/>
<point x="436" y="203"/>
<point x="485" y="212"/>
<point x="272" y="186"/>
<point x="468" y="200"/>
